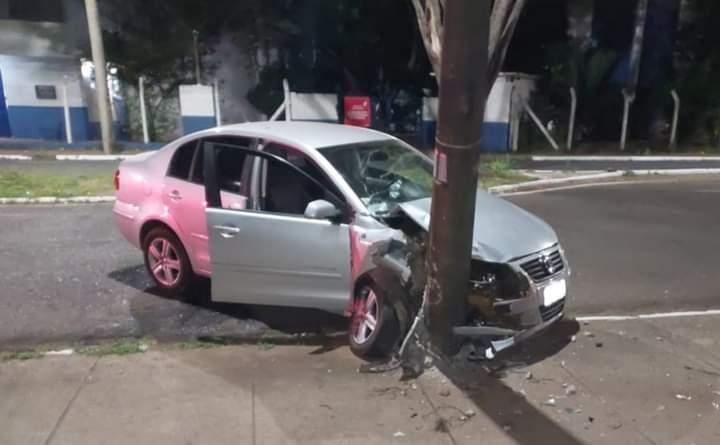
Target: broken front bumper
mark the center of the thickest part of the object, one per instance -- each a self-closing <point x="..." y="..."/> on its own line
<point x="541" y="305"/>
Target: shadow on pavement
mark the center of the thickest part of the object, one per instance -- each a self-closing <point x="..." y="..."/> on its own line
<point x="197" y="316"/>
<point x="508" y="409"/>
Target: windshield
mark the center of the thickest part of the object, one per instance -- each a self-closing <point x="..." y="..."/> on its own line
<point x="383" y="173"/>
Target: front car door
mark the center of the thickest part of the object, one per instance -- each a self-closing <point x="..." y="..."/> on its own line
<point x="270" y="253"/>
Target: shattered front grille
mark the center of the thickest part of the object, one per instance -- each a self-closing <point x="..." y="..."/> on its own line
<point x="548" y="312"/>
<point x="544" y="266"/>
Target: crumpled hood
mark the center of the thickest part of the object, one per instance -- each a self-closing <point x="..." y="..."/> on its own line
<point x="502" y="230"/>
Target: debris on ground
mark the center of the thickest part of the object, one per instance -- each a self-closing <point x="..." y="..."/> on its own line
<point x="616" y="425"/>
<point x="549" y="402"/>
<point x="441" y="426"/>
<point x="716" y="405"/>
<point x="599" y="345"/>
<point x="445" y="392"/>
<point x="529" y="376"/>
<point x="469" y="413"/>
<point x="60" y="352"/>
<point x="588" y="334"/>
<point x="573" y="338"/>
<point x="399" y="434"/>
<point x="570" y="390"/>
<point x="683" y="397"/>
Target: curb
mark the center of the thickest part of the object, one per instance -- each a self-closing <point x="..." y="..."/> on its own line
<point x="92" y="157"/>
<point x="15" y="158"/>
<point x="547" y="184"/>
<point x="53" y="200"/>
<point x="626" y="158"/>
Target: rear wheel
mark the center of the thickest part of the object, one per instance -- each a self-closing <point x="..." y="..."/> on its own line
<point x="374" y="330"/>
<point x="167" y="262"/>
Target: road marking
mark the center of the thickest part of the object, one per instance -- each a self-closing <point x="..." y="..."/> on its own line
<point x="685" y="314"/>
<point x="626" y="158"/>
<point x="92" y="157"/>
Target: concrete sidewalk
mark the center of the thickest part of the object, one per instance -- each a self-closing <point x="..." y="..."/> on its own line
<point x="634" y="382"/>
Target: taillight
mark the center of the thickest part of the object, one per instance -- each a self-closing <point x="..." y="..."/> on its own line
<point x="117" y="180"/>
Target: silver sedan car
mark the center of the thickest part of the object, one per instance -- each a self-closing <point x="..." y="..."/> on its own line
<point x="325" y="216"/>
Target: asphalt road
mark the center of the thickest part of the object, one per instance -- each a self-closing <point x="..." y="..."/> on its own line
<point x="638" y="247"/>
<point x="66" y="274"/>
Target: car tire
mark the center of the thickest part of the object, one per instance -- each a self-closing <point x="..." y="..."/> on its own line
<point x="368" y="340"/>
<point x="167" y="263"/>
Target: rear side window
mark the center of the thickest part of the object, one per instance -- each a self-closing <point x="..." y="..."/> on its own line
<point x="182" y="161"/>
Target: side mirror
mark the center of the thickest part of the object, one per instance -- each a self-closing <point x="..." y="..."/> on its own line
<point x="321" y="209"/>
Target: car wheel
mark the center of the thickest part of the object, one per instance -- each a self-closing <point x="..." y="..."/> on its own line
<point x="374" y="330"/>
<point x="167" y="262"/>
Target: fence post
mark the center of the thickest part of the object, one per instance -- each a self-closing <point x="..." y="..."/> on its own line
<point x="628" y="99"/>
<point x="143" y="111"/>
<point x="540" y="126"/>
<point x="676" y="116"/>
<point x="216" y="97"/>
<point x="66" y="112"/>
<point x="288" y="100"/>
<point x="573" y="112"/>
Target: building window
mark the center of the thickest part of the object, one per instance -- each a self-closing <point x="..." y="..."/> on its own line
<point x="45" y="92"/>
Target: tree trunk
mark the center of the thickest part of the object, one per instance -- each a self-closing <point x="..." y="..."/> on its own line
<point x="463" y="93"/>
<point x="505" y="14"/>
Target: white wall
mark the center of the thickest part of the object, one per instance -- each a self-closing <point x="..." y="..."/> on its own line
<point x="498" y="106"/>
<point x="21" y="74"/>
<point x="196" y="100"/>
<point x="314" y="107"/>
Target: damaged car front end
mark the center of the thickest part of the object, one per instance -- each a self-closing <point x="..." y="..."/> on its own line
<point x="519" y="272"/>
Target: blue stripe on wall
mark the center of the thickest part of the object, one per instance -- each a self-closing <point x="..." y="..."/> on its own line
<point x="47" y="122"/>
<point x="494" y="139"/>
<point x="191" y="124"/>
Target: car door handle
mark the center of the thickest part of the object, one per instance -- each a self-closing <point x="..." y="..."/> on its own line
<point x="227" y="231"/>
<point x="175" y="195"/>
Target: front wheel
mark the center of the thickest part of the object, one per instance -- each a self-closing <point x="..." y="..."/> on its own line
<point x="374" y="330"/>
<point x="167" y="262"/>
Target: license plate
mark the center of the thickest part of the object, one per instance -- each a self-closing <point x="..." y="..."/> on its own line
<point x="554" y="292"/>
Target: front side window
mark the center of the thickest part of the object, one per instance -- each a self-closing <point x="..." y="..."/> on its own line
<point x="382" y="173"/>
<point x="287" y="190"/>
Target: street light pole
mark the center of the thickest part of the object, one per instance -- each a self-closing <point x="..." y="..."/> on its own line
<point x="196" y="53"/>
<point x="101" y="84"/>
<point x="463" y="93"/>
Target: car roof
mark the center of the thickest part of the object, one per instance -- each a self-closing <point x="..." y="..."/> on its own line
<point x="307" y="134"/>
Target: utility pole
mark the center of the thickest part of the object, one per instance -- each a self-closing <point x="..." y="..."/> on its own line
<point x="463" y="93"/>
<point x="196" y="53"/>
<point x="635" y="61"/>
<point x="101" y="84"/>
